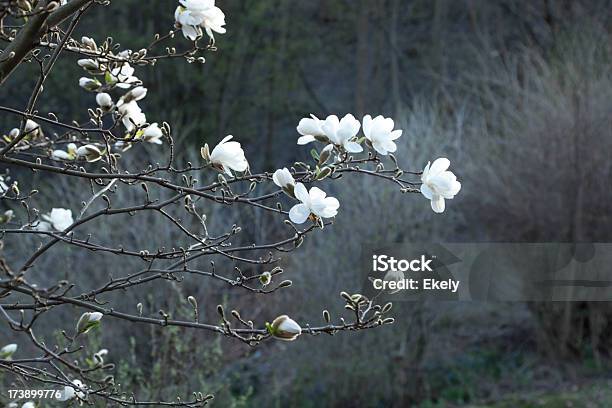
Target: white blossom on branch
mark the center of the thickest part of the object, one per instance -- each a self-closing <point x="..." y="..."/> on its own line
<point x="439" y="183"/>
<point x="314" y="202"/>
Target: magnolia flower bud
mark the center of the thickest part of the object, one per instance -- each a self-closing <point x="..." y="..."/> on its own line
<point x="71" y="392"/>
<point x="265" y="278"/>
<point x="139" y="308"/>
<point x="125" y="54"/>
<point x="89" y="43"/>
<point x="6" y="217"/>
<point x="90" y="152"/>
<point x="104" y="100"/>
<point x="32" y="128"/>
<point x="61" y="155"/>
<point x="323" y="173"/>
<point x="71" y="148"/>
<point x="284" y="179"/>
<point x="7" y="351"/>
<point x="99" y="356"/>
<point x="138" y="93"/>
<point x="326" y="316"/>
<point x="205" y="152"/>
<point x="325" y="154"/>
<point x="88" y="64"/>
<point x="193" y="302"/>
<point x="89" y="84"/>
<point x="88" y="321"/>
<point x="284" y="328"/>
<point x="14" y="133"/>
<point x="153" y="134"/>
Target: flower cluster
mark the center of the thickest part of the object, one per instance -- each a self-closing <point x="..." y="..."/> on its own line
<point x="342" y="133"/>
<point x="31" y="129"/>
<point x="379" y="134"/>
<point x="109" y="75"/>
<point x="193" y="15"/>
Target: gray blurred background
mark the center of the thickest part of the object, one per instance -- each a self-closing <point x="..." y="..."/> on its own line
<point x="517" y="94"/>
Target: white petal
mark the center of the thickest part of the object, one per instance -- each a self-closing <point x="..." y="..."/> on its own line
<point x="438" y="166"/>
<point x="301" y="193"/>
<point x="437" y="204"/>
<point x="299" y="213"/>
<point x="367" y="125"/>
<point x="426" y="191"/>
<point x="305" y="139"/>
<point x="331" y="207"/>
<point x="316" y="194"/>
<point x="353" y="147"/>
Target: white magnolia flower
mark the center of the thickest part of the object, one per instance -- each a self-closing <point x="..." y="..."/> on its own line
<point x="310" y="129"/>
<point x="89" y="43"/>
<point x="314" y="202"/>
<point x="125" y="54"/>
<point x="227" y="156"/>
<point x="71" y="392"/>
<point x="153" y="134"/>
<point x="214" y="20"/>
<point x="90" y="84"/>
<point x="439" y="183"/>
<point x="123" y="76"/>
<point x="342" y="131"/>
<point x="283" y="178"/>
<point x="135" y="94"/>
<point x="191" y="15"/>
<point x="32" y="128"/>
<point x="30" y="125"/>
<point x="29" y="404"/>
<point x="285" y="328"/>
<point x="8" y="350"/>
<point x="14" y="133"/>
<point x="69" y="154"/>
<point x="90" y="152"/>
<point x="104" y="100"/>
<point x="88" y="321"/>
<point x="189" y="22"/>
<point x="58" y="218"/>
<point x="379" y="131"/>
<point x="138" y="93"/>
<point x="132" y="115"/>
<point x="88" y="63"/>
